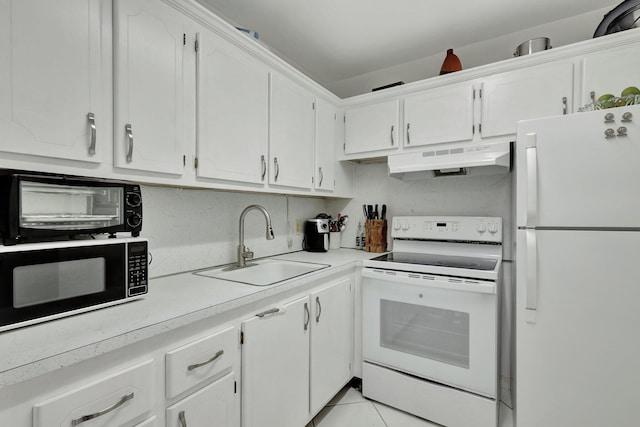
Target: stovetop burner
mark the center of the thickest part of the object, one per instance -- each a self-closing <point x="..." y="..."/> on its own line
<point x="439" y="260"/>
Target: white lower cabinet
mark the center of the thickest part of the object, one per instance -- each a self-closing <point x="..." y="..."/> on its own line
<point x="331" y="341"/>
<point x="213" y="405"/>
<point x="296" y="356"/>
<point x="112" y="401"/>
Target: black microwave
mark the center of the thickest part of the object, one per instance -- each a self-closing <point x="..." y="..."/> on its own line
<point x="37" y="207"/>
<point x="49" y="280"/>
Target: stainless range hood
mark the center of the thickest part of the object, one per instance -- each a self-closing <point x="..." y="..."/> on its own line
<point x="484" y="159"/>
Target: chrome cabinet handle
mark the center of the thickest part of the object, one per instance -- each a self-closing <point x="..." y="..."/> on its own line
<point x="392" y="141"/>
<point x="92" y="125"/>
<point x="321" y="176"/>
<point x="307" y="316"/>
<point x="592" y="95"/>
<point x="206" y="362"/>
<point x="129" y="131"/>
<point x="105" y="411"/>
<point x="275" y="163"/>
<point x="408" y="134"/>
<point x="565" y="107"/>
<point x="183" y="420"/>
<point x="319" y="309"/>
<point x="268" y="312"/>
<point x="264" y="166"/>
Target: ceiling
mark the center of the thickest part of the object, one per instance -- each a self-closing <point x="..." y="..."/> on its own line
<point x="333" y="40"/>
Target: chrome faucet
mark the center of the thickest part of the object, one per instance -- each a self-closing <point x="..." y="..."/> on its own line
<point x="243" y="252"/>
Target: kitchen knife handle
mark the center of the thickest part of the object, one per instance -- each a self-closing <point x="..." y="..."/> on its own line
<point x="392" y="141"/>
<point x="264" y="167"/>
<point x="532" y="180"/>
<point x="92" y="125"/>
<point x="532" y="275"/>
<point x="129" y="131"/>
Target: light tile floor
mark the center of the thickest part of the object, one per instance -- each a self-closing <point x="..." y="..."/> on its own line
<point x="350" y="409"/>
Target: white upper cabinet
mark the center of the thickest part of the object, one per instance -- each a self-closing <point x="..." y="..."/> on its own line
<point x="291" y="134"/>
<point x="150" y="42"/>
<point x="326" y="136"/>
<point x="232" y="112"/>
<point x="373" y="127"/>
<point x="610" y="71"/>
<point x="54" y="68"/>
<point x="439" y="115"/>
<point x="534" y="92"/>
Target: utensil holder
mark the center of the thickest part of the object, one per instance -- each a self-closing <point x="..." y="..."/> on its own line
<point x="376" y="230"/>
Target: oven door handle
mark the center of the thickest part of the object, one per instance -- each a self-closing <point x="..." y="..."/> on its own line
<point x="429" y="281"/>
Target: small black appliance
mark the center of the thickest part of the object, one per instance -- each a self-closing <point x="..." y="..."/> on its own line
<point x="316" y="235"/>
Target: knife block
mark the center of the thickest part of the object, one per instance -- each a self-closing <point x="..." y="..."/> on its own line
<point x="376" y="240"/>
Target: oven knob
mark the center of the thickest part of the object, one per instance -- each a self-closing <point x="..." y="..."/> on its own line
<point x="134" y="199"/>
<point x="396" y="226"/>
<point x="493" y="228"/>
<point x="134" y="220"/>
<point x="481" y="228"/>
<point x="405" y="227"/>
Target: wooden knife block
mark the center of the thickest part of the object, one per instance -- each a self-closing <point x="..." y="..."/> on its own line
<point x="376" y="230"/>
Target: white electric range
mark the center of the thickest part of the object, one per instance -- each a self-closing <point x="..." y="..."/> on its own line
<point x="430" y="320"/>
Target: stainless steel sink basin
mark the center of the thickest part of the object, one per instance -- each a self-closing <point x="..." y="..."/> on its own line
<point x="264" y="272"/>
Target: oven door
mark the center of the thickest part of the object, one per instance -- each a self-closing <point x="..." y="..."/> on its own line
<point x="439" y="328"/>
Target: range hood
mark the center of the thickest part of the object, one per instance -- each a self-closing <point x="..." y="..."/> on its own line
<point x="484" y="159"/>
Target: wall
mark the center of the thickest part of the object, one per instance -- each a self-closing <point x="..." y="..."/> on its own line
<point x="192" y="229"/>
<point x="562" y="32"/>
<point x="465" y="196"/>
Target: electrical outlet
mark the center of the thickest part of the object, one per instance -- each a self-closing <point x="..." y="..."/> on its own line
<point x="298" y="227"/>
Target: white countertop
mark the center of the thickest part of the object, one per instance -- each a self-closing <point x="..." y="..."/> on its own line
<point x="172" y="302"/>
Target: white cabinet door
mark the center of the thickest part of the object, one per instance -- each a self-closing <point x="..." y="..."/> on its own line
<point x="439" y="115"/>
<point x="214" y="405"/>
<point x="53" y="65"/>
<point x="233" y="112"/>
<point x="149" y="48"/>
<point x="610" y="71"/>
<point x="331" y="341"/>
<point x="326" y="135"/>
<point x="535" y="92"/>
<point x="291" y="134"/>
<point x="275" y="367"/>
<point x="372" y="128"/>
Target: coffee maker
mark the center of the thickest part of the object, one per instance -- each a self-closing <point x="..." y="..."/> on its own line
<point x="316" y="235"/>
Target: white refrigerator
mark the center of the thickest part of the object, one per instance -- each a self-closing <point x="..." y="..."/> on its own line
<point x="577" y="353"/>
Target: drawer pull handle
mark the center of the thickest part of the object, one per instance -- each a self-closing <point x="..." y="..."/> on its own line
<point x="113" y="407"/>
<point x="268" y="312"/>
<point x="197" y="365"/>
<point x="183" y="420"/>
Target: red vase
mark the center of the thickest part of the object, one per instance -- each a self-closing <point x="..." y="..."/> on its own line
<point x="451" y="63"/>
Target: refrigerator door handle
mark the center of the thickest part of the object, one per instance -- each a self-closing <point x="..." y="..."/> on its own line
<point x="532" y="276"/>
<point x="532" y="180"/>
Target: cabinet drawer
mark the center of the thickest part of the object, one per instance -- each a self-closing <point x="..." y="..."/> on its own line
<point x="214" y="405"/>
<point x="109" y="402"/>
<point x="200" y="360"/>
<point x="149" y="422"/>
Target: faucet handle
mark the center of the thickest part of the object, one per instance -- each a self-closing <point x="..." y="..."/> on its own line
<point x="248" y="254"/>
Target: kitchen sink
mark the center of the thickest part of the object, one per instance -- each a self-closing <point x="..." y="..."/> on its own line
<point x="264" y="272"/>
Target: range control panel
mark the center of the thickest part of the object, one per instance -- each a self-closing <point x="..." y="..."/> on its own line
<point x="137" y="268"/>
<point x="471" y="228"/>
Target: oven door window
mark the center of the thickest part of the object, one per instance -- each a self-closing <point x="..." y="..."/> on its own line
<point x="428" y="332"/>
